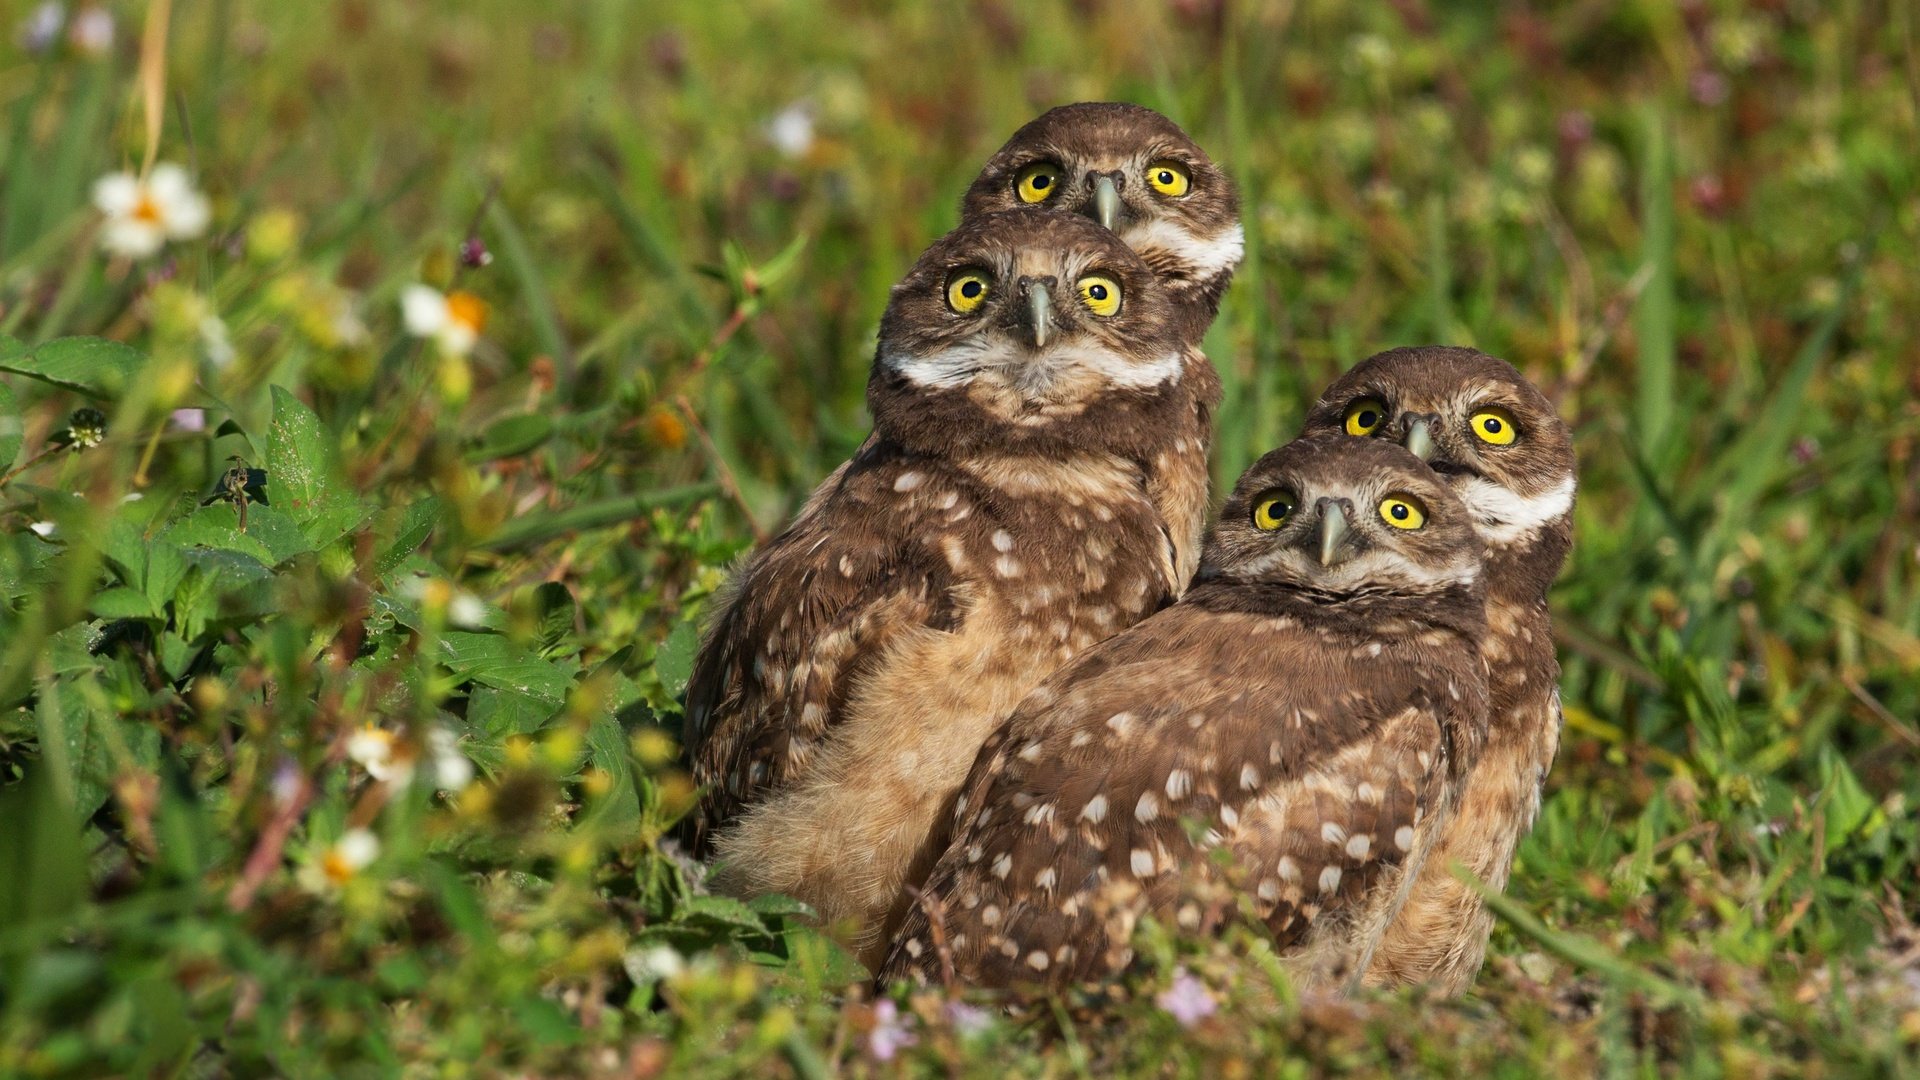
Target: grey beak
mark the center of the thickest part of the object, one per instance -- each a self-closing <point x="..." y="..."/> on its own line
<point x="1419" y="440"/>
<point x="1333" y="529"/>
<point x="1106" y="202"/>
<point x="1039" y="313"/>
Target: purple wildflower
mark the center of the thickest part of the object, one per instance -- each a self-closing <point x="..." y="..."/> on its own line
<point x="1187" y="1000"/>
<point x="890" y="1034"/>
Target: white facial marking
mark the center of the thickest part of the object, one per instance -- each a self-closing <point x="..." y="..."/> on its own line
<point x="1205" y="257"/>
<point x="1503" y="517"/>
<point x="1033" y="371"/>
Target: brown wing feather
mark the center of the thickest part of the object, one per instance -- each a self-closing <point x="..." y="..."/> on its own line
<point x="1245" y="731"/>
<point x="806" y="616"/>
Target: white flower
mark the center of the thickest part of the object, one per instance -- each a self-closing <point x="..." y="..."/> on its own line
<point x="650" y="965"/>
<point x="45" y="530"/>
<point x="215" y="344"/>
<point x="451" y="769"/>
<point x="466" y="610"/>
<point x="39" y="30"/>
<point x="190" y="419"/>
<point x="353" y="852"/>
<point x="791" y="130"/>
<point x="1187" y="1000"/>
<point x="452" y="319"/>
<point x="92" y="31"/>
<point x="142" y="215"/>
<point x="375" y="750"/>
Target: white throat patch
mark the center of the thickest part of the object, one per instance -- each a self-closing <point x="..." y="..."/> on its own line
<point x="1031" y="372"/>
<point x="1502" y="517"/>
<point x="1204" y="257"/>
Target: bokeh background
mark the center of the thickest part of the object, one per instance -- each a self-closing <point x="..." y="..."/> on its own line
<point x="673" y="226"/>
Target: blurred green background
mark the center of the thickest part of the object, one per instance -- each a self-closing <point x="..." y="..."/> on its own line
<point x="1695" y="224"/>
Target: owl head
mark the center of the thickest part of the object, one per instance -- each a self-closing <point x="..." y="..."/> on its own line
<point x="1481" y="425"/>
<point x="1341" y="516"/>
<point x="1136" y="173"/>
<point x="1035" y="329"/>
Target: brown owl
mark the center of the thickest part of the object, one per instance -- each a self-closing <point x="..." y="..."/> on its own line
<point x="996" y="523"/>
<point x="1506" y="453"/>
<point x="1137" y="173"/>
<point x="1291" y="734"/>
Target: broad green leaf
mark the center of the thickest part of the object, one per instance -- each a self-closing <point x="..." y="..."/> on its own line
<point x="492" y="660"/>
<point x="607" y="751"/>
<point x="95" y="367"/>
<point x="673" y="660"/>
<point x="165" y="569"/>
<point x="270" y="537"/>
<point x="500" y="713"/>
<point x="122" y="603"/>
<point x="512" y="436"/>
<point x="12" y="429"/>
<point x="303" y="473"/>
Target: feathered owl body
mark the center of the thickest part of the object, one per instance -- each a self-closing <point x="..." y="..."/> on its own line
<point x="996" y="523"/>
<point x="1305" y="711"/>
<point x="1137" y="173"/>
<point x="1508" y="456"/>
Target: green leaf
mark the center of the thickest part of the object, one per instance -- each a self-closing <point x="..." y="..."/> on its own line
<point x="303" y="473"/>
<point x="95" y="367"/>
<point x="122" y="603"/>
<point x="607" y="751"/>
<point x="500" y="713"/>
<point x="673" y="660"/>
<point x="12" y="428"/>
<point x="492" y="660"/>
<point x="512" y="436"/>
<point x="165" y="569"/>
<point x="1847" y="804"/>
<point x="43" y="872"/>
<point x="416" y="524"/>
<point x="270" y="537"/>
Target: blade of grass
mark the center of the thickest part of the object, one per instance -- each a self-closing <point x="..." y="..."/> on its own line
<point x="593" y="515"/>
<point x="1654" y="324"/>
<point x="533" y="288"/>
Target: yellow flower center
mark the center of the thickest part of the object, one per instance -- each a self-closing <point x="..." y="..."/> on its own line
<point x="467" y="309"/>
<point x="146" y="209"/>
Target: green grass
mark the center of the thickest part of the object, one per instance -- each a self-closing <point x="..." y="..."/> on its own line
<point x="1697" y="226"/>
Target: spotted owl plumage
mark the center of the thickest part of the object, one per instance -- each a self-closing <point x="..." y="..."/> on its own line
<point x="1305" y="710"/>
<point x="1509" y="457"/>
<point x="996" y="523"/>
<point x="1139" y="174"/>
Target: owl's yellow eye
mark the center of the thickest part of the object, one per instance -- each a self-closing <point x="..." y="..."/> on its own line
<point x="1271" y="509"/>
<point x="967" y="290"/>
<point x="1169" y="178"/>
<point x="1037" y="182"/>
<point x="1493" y="424"/>
<point x="1365" y="416"/>
<point x="1100" y="294"/>
<point x="1402" y="512"/>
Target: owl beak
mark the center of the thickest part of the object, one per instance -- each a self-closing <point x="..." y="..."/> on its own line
<point x="1039" y="313"/>
<point x="1419" y="441"/>
<point x="1333" y="529"/>
<point x="1106" y="202"/>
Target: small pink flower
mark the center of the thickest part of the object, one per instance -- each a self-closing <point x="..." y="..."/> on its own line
<point x="1187" y="1000"/>
<point x="890" y="1034"/>
<point x="968" y="1019"/>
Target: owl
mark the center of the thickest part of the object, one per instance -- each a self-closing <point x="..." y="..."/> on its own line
<point x="1138" y="174"/>
<point x="1290" y="736"/>
<point x="996" y="523"/>
<point x="1508" y="456"/>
